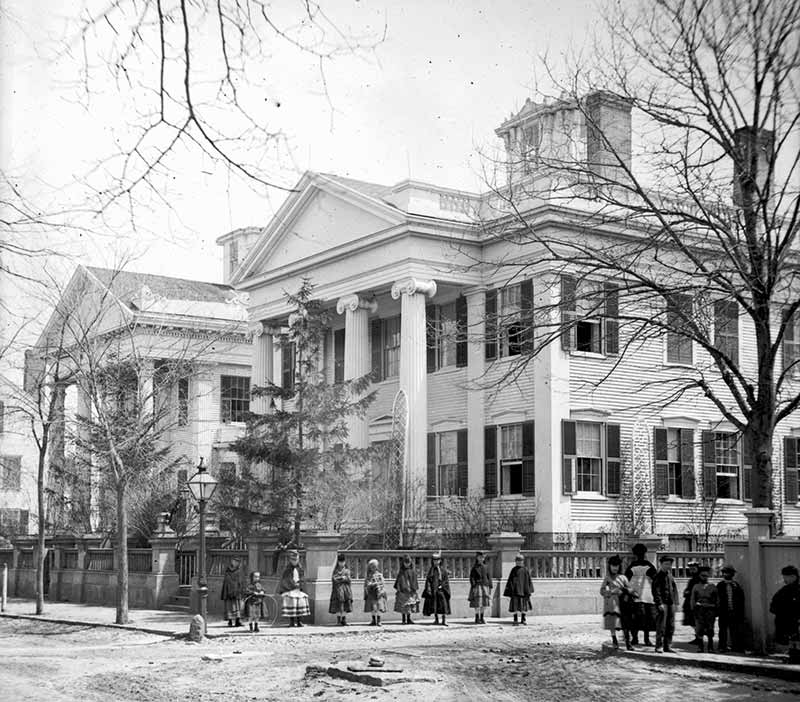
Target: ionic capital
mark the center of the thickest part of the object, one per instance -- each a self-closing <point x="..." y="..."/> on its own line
<point x="354" y="302"/>
<point x="411" y="286"/>
<point x="258" y="329"/>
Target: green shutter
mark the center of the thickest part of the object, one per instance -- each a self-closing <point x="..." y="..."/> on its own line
<point x="431" y="464"/>
<point x="660" y="455"/>
<point x="790" y="467"/>
<point x="431" y="337"/>
<point x="463" y="463"/>
<point x="709" y="466"/>
<point x="526" y="302"/>
<point x="567" y="304"/>
<point x="490" y="461"/>
<point x="611" y="321"/>
<point x="613" y="460"/>
<point x="568" y="449"/>
<point x="528" y="459"/>
<point x="490" y="316"/>
<point x="461" y="331"/>
<point x="687" y="464"/>
<point x="376" y="346"/>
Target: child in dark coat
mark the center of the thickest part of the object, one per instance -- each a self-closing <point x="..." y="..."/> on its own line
<point x="731" y="611"/>
<point x="519" y="589"/>
<point x="341" y="601"/>
<point x="785" y="606"/>
<point x="406" y="587"/>
<point x="688" y="615"/>
<point x="437" y="591"/>
<point x="254" y="601"/>
<point x="480" y="588"/>
<point x="232" y="591"/>
<point x="704" y="606"/>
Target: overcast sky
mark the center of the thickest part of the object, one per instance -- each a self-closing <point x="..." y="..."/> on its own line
<point x="421" y="106"/>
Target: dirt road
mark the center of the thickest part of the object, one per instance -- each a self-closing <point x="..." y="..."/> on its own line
<point x="41" y="661"/>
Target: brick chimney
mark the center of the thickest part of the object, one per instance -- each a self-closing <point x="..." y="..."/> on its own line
<point x="608" y="133"/>
<point x="754" y="152"/>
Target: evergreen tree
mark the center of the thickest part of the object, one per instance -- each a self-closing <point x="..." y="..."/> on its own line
<point x="298" y="466"/>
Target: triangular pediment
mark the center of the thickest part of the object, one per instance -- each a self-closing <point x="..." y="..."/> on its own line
<point x="322" y="215"/>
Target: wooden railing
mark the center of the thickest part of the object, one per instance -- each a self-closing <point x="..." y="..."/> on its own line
<point x="140" y="560"/>
<point x="458" y="563"/>
<point x="582" y="565"/>
<point x="69" y="559"/>
<point x="99" y="559"/>
<point x="220" y="559"/>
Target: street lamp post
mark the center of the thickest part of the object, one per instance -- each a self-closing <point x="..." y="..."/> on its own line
<point x="202" y="486"/>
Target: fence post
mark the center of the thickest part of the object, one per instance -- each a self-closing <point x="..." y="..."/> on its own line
<point x="505" y="546"/>
<point x="163" y="576"/>
<point x="321" y="549"/>
<point x="758" y="529"/>
<point x="4" y="597"/>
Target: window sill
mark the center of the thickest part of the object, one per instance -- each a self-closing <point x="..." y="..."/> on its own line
<point x="448" y="370"/>
<point x="729" y="501"/>
<point x="677" y="499"/>
<point x="590" y="496"/>
<point x="514" y="497"/>
<point x="589" y="354"/>
<point x="675" y="364"/>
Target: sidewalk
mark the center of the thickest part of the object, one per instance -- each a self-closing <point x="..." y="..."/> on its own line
<point x="771" y="665"/>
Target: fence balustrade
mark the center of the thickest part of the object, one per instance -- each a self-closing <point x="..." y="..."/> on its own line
<point x="99" y="559"/>
<point x="220" y="559"/>
<point x="140" y="560"/>
<point x="457" y="563"/>
<point x="69" y="559"/>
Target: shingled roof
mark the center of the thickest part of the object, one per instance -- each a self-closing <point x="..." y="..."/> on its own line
<point x="126" y="284"/>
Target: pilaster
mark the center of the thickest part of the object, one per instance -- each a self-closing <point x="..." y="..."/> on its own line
<point x="263" y="367"/>
<point x="476" y="367"/>
<point x="204" y="419"/>
<point x="414" y="382"/>
<point x="357" y="362"/>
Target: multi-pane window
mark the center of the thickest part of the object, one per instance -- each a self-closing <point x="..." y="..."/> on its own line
<point x="446" y="334"/>
<point x="234" y="397"/>
<point x="726" y="328"/>
<point x="726" y="452"/>
<point x="509" y="320"/>
<point x="674" y="474"/>
<point x="385" y="339"/>
<point x="589" y="315"/>
<point x="447" y="463"/>
<point x="679" y="346"/>
<point x="10" y="472"/>
<point x="183" y="402"/>
<point x="509" y="460"/>
<point x="591" y="457"/>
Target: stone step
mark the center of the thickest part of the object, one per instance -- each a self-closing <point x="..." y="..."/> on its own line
<point x="172" y="607"/>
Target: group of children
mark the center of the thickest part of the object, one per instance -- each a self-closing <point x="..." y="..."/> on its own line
<point x="435" y="597"/>
<point x="645" y="599"/>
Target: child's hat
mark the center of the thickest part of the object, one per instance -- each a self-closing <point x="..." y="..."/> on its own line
<point x="292" y="553"/>
<point x="437" y="556"/>
<point x="478" y="553"/>
<point x="341" y="558"/>
<point x="519" y="557"/>
<point x="727" y="568"/>
<point x="255" y="575"/>
<point x="372" y="562"/>
<point x="666" y="559"/>
<point x="790" y="570"/>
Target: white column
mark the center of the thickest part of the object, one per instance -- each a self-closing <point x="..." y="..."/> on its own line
<point x="414" y="382"/>
<point x="476" y="365"/>
<point x="551" y="386"/>
<point x="205" y="416"/>
<point x="88" y="470"/>
<point x="357" y="361"/>
<point x="262" y="372"/>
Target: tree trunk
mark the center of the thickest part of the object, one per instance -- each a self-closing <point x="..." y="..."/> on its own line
<point x="122" y="552"/>
<point x="41" y="551"/>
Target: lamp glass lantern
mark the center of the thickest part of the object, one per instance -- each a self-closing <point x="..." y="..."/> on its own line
<point x="202" y="484"/>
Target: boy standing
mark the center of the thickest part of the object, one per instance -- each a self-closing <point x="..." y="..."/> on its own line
<point x="437" y="591"/>
<point x="665" y="598"/>
<point x="731" y="611"/>
<point x="519" y="589"/>
<point x="785" y="606"/>
<point x="254" y="601"/>
<point x="704" y="606"/>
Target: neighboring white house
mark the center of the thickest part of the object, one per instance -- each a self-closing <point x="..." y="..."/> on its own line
<point x="162" y="319"/>
<point x="420" y="302"/>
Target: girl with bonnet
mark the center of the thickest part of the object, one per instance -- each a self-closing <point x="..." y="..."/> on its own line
<point x="617" y="601"/>
<point x="290" y="588"/>
<point x="341" y="592"/>
<point x="406" y="587"/>
<point x="374" y="592"/>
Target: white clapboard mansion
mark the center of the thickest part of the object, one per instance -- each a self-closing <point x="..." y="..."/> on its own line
<point x="420" y="302"/>
<point x="159" y="320"/>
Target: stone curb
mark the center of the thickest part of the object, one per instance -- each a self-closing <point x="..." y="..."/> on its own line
<point x="79" y="622"/>
<point x="757" y="667"/>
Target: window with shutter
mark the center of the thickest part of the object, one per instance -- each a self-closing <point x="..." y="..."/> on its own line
<point x="679" y="346"/>
<point x="461" y="331"/>
<point x="791" y="460"/>
<point x="490" y="461"/>
<point x="447" y="463"/>
<point x="568" y="290"/>
<point x="661" y="455"/>
<point x="613" y="460"/>
<point x="446" y="334"/>
<point x="463" y="463"/>
<point x="791" y="340"/>
<point x="385" y="347"/>
<point x="287" y="364"/>
<point x="338" y="356"/>
<point x="709" y="465"/>
<point x="235" y="397"/>
<point x="568" y="448"/>
<point x="526" y="316"/>
<point x="611" y="320"/>
<point x="747" y="466"/>
<point x="722" y="465"/>
<point x="726" y="328"/>
<point x="376" y="349"/>
<point x="528" y="459"/>
<point x="687" y="464"/>
<point x="490" y="317"/>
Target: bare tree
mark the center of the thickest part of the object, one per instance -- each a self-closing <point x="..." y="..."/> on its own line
<point x="711" y="87"/>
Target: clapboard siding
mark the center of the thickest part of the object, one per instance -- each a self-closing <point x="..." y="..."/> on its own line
<point x="447" y="396"/>
<point x="516" y="395"/>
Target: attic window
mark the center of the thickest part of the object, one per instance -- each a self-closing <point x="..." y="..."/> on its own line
<point x="233" y="257"/>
